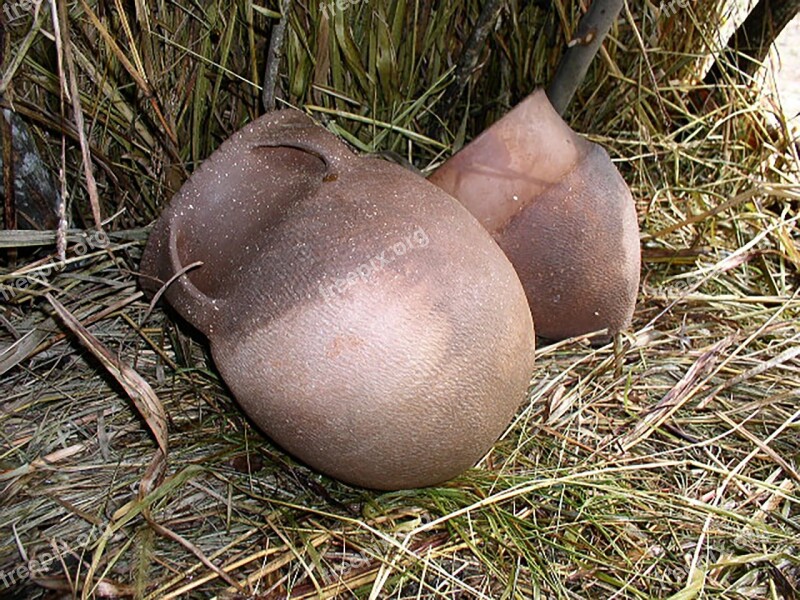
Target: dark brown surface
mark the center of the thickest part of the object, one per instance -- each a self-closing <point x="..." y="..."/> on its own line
<point x="562" y="213"/>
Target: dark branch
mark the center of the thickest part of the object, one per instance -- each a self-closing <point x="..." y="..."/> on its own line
<point x="748" y="47"/>
<point x="274" y="55"/>
<point x="470" y="55"/>
<point x="572" y="69"/>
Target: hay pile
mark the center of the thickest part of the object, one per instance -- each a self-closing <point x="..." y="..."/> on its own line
<point x="666" y="468"/>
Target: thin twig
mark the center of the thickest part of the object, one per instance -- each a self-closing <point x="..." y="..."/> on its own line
<point x="275" y="53"/>
<point x="470" y="55"/>
<point x="88" y="169"/>
<point x="9" y="188"/>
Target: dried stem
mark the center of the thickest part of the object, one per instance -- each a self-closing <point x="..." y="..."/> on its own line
<point x="74" y="92"/>
<point x="470" y="55"/>
<point x="274" y="56"/>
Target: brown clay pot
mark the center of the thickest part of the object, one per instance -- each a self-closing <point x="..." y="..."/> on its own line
<point x="360" y="315"/>
<point x="562" y="213"/>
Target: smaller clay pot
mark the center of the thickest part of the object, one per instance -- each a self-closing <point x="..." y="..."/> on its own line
<point x="562" y="213"/>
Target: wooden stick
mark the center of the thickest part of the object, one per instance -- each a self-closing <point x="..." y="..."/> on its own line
<point x="592" y="29"/>
<point x="274" y="56"/>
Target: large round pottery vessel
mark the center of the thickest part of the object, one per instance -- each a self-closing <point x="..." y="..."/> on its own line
<point x="562" y="213"/>
<point x="360" y="315"/>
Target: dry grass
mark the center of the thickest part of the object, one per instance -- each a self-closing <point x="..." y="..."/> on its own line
<point x="669" y="468"/>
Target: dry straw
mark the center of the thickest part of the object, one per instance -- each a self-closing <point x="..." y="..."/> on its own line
<point x="664" y="467"/>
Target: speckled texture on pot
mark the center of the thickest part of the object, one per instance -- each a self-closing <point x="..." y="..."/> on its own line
<point x="361" y="316"/>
